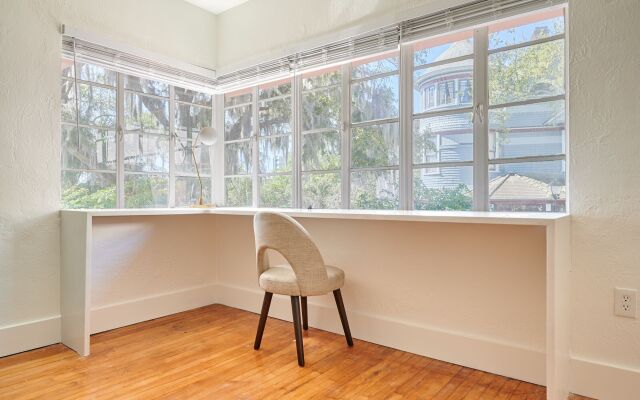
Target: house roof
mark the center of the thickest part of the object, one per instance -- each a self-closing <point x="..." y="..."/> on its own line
<point x="514" y="186"/>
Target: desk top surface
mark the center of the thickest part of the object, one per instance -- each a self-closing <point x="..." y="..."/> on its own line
<point x="475" y="217"/>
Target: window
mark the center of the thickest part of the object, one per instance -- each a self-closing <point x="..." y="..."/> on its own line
<point x="469" y="120"/>
<point x="193" y="112"/>
<point x="321" y="126"/>
<point x="275" y="141"/>
<point x="527" y="113"/>
<point x="88" y="136"/>
<point x="375" y="133"/>
<point x="141" y="156"/>
<point x="443" y="132"/>
<point x="238" y="148"/>
<point x="484" y="118"/>
<point x="146" y="143"/>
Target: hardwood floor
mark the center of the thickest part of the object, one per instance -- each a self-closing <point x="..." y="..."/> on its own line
<point x="207" y="353"/>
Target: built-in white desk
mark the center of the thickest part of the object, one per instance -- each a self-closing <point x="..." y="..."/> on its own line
<point x="76" y="256"/>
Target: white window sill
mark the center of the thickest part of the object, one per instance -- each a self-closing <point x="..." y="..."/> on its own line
<point x="469" y="217"/>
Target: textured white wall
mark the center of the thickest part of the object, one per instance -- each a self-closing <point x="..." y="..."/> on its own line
<point x="604" y="83"/>
<point x="30" y="124"/>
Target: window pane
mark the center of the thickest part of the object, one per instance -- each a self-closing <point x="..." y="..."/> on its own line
<point x="527" y="73"/>
<point x="88" y="148"/>
<point x="237" y="191"/>
<point x="191" y="96"/>
<point x="191" y="119"/>
<point x="97" y="74"/>
<point x="188" y="191"/>
<point x="275" y="117"/>
<point x="530" y="130"/>
<point x="237" y="158"/>
<point x="375" y="189"/>
<point x="275" y="154"/>
<point x="233" y="99"/>
<point x="445" y="188"/>
<point x="321" y="109"/>
<point x="374" y="99"/>
<point x="88" y="190"/>
<point x="321" y="190"/>
<point x="97" y="105"/>
<point x="238" y="122"/>
<point x="445" y="138"/>
<point x="147" y="86"/>
<point x="142" y="190"/>
<point x="320" y="151"/>
<point x="443" y="87"/>
<point x="375" y="145"/>
<point x="531" y="186"/>
<point x="443" y="48"/>
<point x="526" y="28"/>
<point x="275" y="191"/>
<point x="366" y="68"/>
<point x="274" y="89"/>
<point x="67" y="101"/>
<point x="146" y="114"/>
<point x="321" y="79"/>
<point x="148" y="153"/>
<point x="184" y="153"/>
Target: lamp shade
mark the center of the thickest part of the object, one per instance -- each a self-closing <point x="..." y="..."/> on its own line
<point x="208" y="136"/>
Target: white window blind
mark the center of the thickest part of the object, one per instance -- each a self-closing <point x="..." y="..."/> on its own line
<point x="132" y="64"/>
<point x="382" y="39"/>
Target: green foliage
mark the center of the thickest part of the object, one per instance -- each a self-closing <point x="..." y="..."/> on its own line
<point x="275" y="191"/>
<point x="238" y="191"/>
<point x="142" y="191"/>
<point x="519" y="74"/>
<point x="451" y="199"/>
<point x="368" y="200"/>
<point x="321" y="190"/>
<point x="77" y="196"/>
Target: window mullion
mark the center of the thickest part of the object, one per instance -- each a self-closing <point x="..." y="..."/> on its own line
<point x="254" y="147"/>
<point x="217" y="160"/>
<point x="345" y="180"/>
<point x="406" y="110"/>
<point x="172" y="144"/>
<point x="120" y="142"/>
<point x="480" y="121"/>
<point x="296" y="105"/>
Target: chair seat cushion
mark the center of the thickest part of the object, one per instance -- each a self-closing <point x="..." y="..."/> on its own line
<point x="282" y="280"/>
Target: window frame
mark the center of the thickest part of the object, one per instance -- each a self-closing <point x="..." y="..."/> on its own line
<point x="172" y="174"/>
<point x="478" y="108"/>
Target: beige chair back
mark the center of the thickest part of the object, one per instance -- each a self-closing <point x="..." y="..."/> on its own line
<point x="285" y="235"/>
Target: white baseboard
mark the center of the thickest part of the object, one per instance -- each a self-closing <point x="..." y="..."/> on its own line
<point x="588" y="378"/>
<point x="29" y="335"/>
<point x="475" y="352"/>
<point x="117" y="315"/>
<point x="603" y="382"/>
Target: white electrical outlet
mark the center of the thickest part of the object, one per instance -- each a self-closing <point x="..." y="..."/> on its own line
<point x="625" y="302"/>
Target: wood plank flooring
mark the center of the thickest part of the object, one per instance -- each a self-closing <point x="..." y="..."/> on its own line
<point x="207" y="353"/>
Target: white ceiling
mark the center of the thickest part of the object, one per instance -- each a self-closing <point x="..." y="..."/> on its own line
<point x="216" y="6"/>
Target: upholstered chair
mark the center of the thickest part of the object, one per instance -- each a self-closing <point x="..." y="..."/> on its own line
<point x="306" y="275"/>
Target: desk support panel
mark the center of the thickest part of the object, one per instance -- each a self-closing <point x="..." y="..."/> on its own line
<point x="75" y="278"/>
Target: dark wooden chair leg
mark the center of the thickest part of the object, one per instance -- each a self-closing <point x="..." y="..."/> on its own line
<point x="343" y="316"/>
<point x="305" y="316"/>
<point x="297" y="328"/>
<point x="263" y="319"/>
